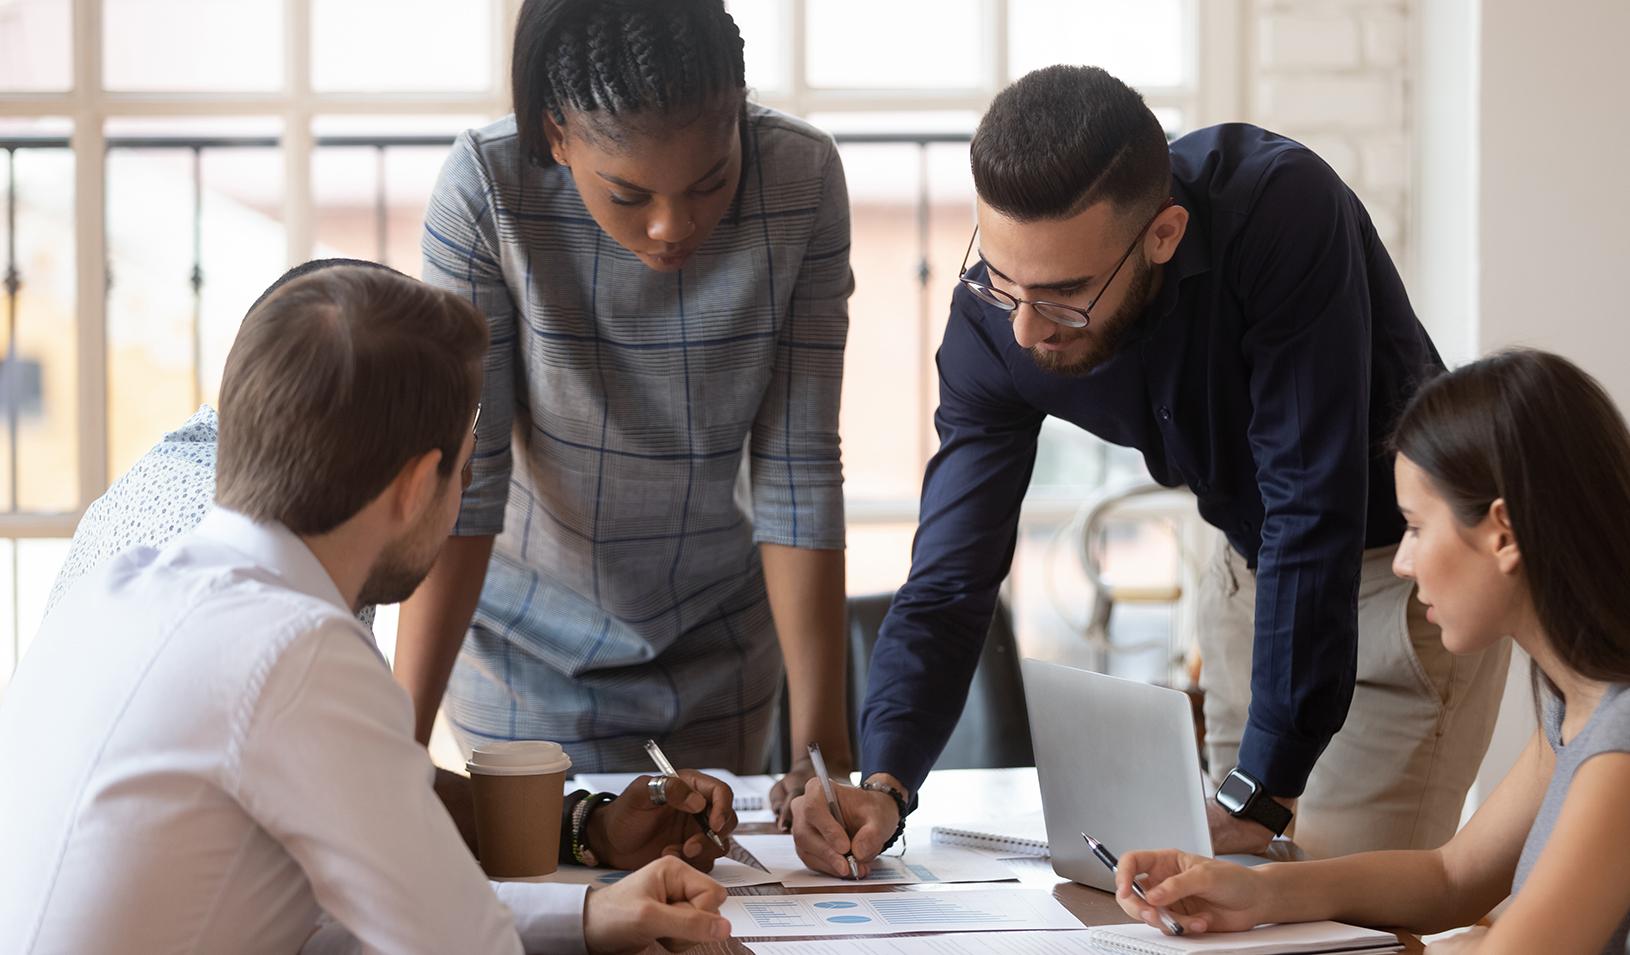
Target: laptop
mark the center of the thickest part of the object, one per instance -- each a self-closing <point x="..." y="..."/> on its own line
<point x="1117" y="759"/>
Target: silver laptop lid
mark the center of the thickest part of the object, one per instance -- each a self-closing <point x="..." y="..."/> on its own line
<point x="1116" y="759"/>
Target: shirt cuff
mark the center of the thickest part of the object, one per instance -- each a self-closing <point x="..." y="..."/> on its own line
<point x="1281" y="763"/>
<point x="548" y="917"/>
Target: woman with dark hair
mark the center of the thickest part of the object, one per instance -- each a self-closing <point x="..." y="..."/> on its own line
<point x="1514" y="478"/>
<point x="665" y="270"/>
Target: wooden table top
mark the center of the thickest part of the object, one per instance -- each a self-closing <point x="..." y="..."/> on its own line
<point x="958" y="796"/>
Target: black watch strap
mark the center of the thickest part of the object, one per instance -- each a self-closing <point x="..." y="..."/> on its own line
<point x="1269" y="812"/>
<point x="1258" y="806"/>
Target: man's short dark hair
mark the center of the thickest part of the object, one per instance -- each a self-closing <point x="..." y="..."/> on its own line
<point x="1065" y="137"/>
<point x="337" y="380"/>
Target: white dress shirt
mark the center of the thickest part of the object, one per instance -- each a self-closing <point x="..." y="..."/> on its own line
<point x="204" y="750"/>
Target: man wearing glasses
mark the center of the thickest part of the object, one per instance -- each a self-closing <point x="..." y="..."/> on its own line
<point x="1223" y="305"/>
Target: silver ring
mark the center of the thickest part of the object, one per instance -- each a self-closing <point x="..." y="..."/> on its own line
<point x="659" y="794"/>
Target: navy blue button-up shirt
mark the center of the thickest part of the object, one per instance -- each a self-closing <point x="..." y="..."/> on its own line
<point x="1266" y="376"/>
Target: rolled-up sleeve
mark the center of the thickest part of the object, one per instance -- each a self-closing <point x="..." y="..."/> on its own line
<point x="1302" y="276"/>
<point x="797" y="466"/>
<point x="460" y="248"/>
<point x="973" y="489"/>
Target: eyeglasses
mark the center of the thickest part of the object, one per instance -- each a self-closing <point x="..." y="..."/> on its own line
<point x="467" y="476"/>
<point x="1070" y="316"/>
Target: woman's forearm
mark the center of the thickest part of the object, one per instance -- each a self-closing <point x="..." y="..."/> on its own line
<point x="433" y="621"/>
<point x="1408" y="890"/>
<point x="806" y="590"/>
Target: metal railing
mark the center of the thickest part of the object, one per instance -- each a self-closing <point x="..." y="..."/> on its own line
<point x="196" y="279"/>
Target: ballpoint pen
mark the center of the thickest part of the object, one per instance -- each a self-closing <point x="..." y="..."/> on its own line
<point x="1103" y="854"/>
<point x="734" y="850"/>
<point x="667" y="769"/>
<point x="832" y="802"/>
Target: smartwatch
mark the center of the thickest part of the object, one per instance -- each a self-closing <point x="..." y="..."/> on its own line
<point x="1242" y="795"/>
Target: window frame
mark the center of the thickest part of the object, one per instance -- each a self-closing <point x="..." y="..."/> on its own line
<point x="1213" y="41"/>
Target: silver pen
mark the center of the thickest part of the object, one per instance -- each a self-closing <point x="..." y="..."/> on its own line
<point x="832" y="801"/>
<point x="1103" y="855"/>
<point x="667" y="769"/>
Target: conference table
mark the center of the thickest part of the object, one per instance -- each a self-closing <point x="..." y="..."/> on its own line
<point x="958" y="797"/>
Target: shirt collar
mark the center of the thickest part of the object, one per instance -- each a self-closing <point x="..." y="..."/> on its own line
<point x="274" y="547"/>
<point x="1193" y="257"/>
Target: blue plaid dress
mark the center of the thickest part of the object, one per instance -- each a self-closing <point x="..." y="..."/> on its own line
<point x="625" y="598"/>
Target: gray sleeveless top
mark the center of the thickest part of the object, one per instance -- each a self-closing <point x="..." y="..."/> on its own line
<point x="1608" y="731"/>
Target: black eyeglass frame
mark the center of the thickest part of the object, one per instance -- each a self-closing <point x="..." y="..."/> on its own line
<point x="1010" y="303"/>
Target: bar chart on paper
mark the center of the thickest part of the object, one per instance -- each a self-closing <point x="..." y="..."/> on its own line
<point x="892" y="913"/>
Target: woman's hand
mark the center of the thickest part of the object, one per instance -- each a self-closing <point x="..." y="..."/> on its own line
<point x="1203" y="894"/>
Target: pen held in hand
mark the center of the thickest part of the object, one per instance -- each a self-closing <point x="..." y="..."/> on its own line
<point x="832" y="802"/>
<point x="667" y="769"/>
<point x="1102" y="853"/>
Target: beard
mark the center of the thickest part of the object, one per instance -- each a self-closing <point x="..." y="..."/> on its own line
<point x="399" y="571"/>
<point x="1103" y="340"/>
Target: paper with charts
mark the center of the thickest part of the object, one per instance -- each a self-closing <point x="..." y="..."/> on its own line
<point x="727" y="872"/>
<point x="894" y="913"/>
<point x="966" y="943"/>
<point x="927" y="863"/>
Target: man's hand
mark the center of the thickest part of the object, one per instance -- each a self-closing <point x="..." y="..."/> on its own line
<point x="790" y="786"/>
<point x="1205" y="895"/>
<point x="666" y="902"/>
<point x="821" y="842"/>
<point x="1230" y="835"/>
<point x="630" y="831"/>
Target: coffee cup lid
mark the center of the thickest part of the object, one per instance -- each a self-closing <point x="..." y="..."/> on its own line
<point x="522" y="757"/>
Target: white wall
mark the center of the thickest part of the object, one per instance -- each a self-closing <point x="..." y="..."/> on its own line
<point x="1335" y="75"/>
<point x="1554" y="126"/>
<point x="1520" y="233"/>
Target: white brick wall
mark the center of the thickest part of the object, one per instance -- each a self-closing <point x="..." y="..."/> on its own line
<point x="1336" y="75"/>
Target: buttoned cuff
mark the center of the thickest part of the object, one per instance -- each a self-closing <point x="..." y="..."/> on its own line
<point x="549" y="917"/>
<point x="1281" y="763"/>
<point x="902" y="757"/>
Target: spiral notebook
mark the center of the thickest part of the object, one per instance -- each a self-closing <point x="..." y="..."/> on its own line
<point x="1021" y="835"/>
<point x="1307" y="938"/>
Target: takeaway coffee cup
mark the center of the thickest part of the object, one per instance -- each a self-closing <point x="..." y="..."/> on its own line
<point x="518" y="786"/>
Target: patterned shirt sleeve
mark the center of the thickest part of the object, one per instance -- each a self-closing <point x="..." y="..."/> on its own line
<point x="460" y="247"/>
<point x="797" y="470"/>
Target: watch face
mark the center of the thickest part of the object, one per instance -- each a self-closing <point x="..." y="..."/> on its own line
<point x="1235" y="792"/>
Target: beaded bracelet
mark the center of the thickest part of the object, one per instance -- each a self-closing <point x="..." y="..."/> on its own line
<point x="581" y="853"/>
<point x="899" y="803"/>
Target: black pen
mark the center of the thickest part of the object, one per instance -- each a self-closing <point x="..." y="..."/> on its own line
<point x="1108" y="859"/>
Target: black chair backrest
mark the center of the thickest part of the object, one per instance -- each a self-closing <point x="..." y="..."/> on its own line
<point x="994" y="731"/>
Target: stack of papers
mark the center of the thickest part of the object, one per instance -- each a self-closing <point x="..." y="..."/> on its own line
<point x="894" y="913"/>
<point x="929" y="864"/>
<point x="780" y="858"/>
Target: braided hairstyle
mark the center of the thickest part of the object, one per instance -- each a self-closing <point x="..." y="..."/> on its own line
<point x="623" y="66"/>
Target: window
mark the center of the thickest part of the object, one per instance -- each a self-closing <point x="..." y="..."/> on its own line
<point x="150" y="192"/>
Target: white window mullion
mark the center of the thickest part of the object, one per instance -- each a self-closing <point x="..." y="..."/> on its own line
<point x="797" y="34"/>
<point x="298" y="200"/>
<point x="996" y="27"/>
<point x="90" y="249"/>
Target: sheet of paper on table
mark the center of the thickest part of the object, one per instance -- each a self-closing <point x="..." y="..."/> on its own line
<point x="926" y="863"/>
<point x="964" y="943"/>
<point x="728" y="873"/>
<point x="752" y="802"/>
<point x="894" y="913"/>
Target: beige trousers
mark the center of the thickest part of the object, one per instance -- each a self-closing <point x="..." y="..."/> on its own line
<point x="1396" y="775"/>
